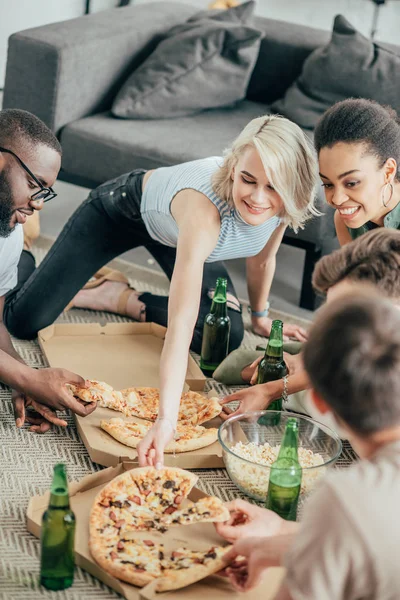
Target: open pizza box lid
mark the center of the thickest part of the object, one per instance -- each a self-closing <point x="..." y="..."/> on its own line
<point x="123" y="355"/>
<point x="200" y="536"/>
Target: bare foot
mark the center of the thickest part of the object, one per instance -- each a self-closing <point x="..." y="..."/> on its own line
<point x="106" y="296"/>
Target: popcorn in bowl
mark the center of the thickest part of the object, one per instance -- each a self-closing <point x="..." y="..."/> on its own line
<point x="254" y="480"/>
<point x="250" y="446"/>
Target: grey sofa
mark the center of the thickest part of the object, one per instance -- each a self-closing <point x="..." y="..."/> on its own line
<point x="68" y="74"/>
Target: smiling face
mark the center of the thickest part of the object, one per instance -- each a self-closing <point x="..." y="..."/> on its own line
<point x="353" y="180"/>
<point x="17" y="187"/>
<point x="253" y="194"/>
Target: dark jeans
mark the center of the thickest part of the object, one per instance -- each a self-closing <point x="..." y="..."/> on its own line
<point x="107" y="224"/>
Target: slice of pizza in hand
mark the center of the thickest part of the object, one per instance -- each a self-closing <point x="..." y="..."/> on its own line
<point x="208" y="509"/>
<point x="99" y="392"/>
<point x="185" y="566"/>
<point x="187" y="437"/>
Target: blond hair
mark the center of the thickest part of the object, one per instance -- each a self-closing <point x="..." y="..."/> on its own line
<point x="289" y="161"/>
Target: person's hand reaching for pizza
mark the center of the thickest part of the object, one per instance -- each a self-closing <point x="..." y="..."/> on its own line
<point x="151" y="449"/>
<point x="250" y="520"/>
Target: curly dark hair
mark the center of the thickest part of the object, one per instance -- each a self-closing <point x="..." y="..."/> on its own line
<point x="352" y="358"/>
<point x="20" y="128"/>
<point x="358" y="120"/>
<point x="372" y="258"/>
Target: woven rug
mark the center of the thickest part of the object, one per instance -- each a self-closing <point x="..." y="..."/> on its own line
<point x="27" y="460"/>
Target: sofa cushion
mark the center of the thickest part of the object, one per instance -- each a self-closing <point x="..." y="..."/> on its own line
<point x="203" y="63"/>
<point x="349" y="66"/>
<point x="101" y="147"/>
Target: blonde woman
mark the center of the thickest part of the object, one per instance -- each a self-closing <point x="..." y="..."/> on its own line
<point x="191" y="217"/>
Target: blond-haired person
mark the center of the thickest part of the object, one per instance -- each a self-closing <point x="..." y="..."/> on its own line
<point x="191" y="217"/>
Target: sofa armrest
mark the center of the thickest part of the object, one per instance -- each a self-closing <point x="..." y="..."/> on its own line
<point x="69" y="70"/>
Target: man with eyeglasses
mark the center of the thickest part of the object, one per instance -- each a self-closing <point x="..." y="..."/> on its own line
<point x="26" y="140"/>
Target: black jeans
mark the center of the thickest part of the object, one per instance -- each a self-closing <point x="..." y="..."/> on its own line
<point x="107" y="224"/>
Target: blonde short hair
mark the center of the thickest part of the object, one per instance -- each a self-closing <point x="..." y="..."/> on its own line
<point x="289" y="161"/>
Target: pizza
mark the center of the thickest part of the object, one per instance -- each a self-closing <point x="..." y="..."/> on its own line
<point x="137" y="503"/>
<point x="195" y="409"/>
<point x="187" y="437"/>
<point x="101" y="393"/>
<point x="208" y="509"/>
<point x="186" y="566"/>
<point x="143" y="402"/>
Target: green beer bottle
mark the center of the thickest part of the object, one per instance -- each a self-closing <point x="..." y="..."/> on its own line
<point x="217" y="326"/>
<point x="58" y="533"/>
<point x="273" y="367"/>
<point x="285" y="475"/>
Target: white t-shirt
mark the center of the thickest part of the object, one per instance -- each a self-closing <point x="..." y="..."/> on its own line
<point x="10" y="253"/>
<point x="348" y="545"/>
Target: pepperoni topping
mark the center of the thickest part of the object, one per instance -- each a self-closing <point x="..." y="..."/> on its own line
<point x="148" y="543"/>
<point x="169" y="510"/>
<point x="119" y="523"/>
<point x="113" y="555"/>
<point x="105" y="502"/>
<point x="135" y="499"/>
<point x="178" y="499"/>
<point x="176" y="554"/>
<point x="113" y="516"/>
<point x="120" y="545"/>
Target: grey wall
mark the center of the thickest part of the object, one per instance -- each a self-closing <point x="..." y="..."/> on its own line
<point x="16" y="15"/>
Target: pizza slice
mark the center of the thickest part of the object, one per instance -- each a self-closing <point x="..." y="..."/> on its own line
<point x="133" y="560"/>
<point x="184" y="567"/>
<point x="195" y="409"/>
<point x="99" y="392"/>
<point x="208" y="509"/>
<point x="187" y="437"/>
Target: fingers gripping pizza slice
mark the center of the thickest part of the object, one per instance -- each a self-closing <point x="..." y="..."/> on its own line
<point x="187" y="438"/>
<point x="99" y="392"/>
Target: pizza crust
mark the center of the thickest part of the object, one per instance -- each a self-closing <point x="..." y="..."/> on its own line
<point x="174" y="580"/>
<point x="120" y="430"/>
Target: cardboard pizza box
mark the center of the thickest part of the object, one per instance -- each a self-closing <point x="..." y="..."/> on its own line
<point x="122" y="354"/>
<point x="199" y="536"/>
<point x="107" y="451"/>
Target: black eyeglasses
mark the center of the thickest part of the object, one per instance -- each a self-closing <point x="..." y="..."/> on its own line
<point x="45" y="193"/>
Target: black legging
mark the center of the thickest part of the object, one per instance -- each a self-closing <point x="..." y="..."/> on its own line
<point x="107" y="224"/>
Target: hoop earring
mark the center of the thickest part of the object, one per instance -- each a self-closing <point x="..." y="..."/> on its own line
<point x="384" y="193"/>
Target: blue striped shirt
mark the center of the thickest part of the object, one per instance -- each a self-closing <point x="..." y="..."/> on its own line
<point x="236" y="239"/>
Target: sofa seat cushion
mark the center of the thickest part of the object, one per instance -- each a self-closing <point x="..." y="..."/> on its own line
<point x="101" y="147"/>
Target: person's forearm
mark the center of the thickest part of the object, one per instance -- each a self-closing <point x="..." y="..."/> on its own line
<point x="259" y="281"/>
<point x="296" y="383"/>
<point x="13" y="373"/>
<point x="6" y="344"/>
<point x="173" y="366"/>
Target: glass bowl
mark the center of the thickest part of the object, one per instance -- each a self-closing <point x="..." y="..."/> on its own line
<point x="245" y="441"/>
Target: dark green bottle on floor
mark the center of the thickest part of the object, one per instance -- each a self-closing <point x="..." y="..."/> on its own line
<point x="58" y="534"/>
<point x="285" y="475"/>
<point x="217" y="326"/>
<point x="273" y="367"/>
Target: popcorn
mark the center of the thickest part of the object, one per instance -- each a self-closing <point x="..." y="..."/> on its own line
<point x="253" y="479"/>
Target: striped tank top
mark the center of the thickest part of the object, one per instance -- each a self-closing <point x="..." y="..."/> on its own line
<point x="237" y="238"/>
